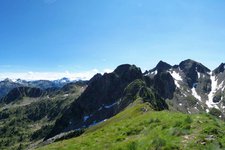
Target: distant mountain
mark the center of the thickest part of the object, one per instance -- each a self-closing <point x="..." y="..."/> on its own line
<point x="7" y="84"/>
<point x="20" y="92"/>
<point x="189" y="87"/>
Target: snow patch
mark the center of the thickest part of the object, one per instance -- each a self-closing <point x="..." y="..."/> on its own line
<point x="221" y="85"/>
<point x="176" y="76"/>
<point x="95" y="123"/>
<point x="180" y="104"/>
<point x="189" y="111"/>
<point x="66" y="95"/>
<point x="223" y="88"/>
<point x="177" y="84"/>
<point x="185" y="95"/>
<point x="196" y="108"/>
<point x="199" y="74"/>
<point x="86" y="118"/>
<point x="214" y="88"/>
<point x="195" y="94"/>
<point x="155" y="72"/>
<point x="151" y="73"/>
<point x="100" y="109"/>
<point x="109" y="106"/>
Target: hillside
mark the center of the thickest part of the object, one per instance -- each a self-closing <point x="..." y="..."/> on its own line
<point x="28" y="114"/>
<point x="188" y="87"/>
<point x="139" y="127"/>
<point x="184" y="103"/>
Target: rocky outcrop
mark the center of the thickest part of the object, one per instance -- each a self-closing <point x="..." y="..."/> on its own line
<point x="99" y="101"/>
<point x="160" y="67"/>
<point x="219" y="69"/>
<point x="164" y="85"/>
<point x="20" y="92"/>
<point x="191" y="68"/>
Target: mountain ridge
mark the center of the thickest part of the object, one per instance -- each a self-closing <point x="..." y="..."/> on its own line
<point x="188" y="87"/>
<point x="8" y="84"/>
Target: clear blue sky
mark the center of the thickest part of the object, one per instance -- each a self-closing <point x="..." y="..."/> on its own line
<point x="80" y="35"/>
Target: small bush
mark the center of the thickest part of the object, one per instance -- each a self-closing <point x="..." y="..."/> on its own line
<point x="211" y="130"/>
<point x="132" y="146"/>
<point x="179" y="131"/>
<point x="120" y="138"/>
<point x="188" y="120"/>
<point x="215" y="112"/>
<point x="134" y="131"/>
<point x="156" y="120"/>
<point x="158" y="143"/>
<point x="178" y="124"/>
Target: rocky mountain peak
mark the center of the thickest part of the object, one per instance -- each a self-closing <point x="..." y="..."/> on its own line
<point x="162" y="66"/>
<point x="95" y="77"/>
<point x="191" y="69"/>
<point x="100" y="100"/>
<point x="8" y="80"/>
<point x="191" y="65"/>
<point x="219" y="69"/>
<point x="128" y="72"/>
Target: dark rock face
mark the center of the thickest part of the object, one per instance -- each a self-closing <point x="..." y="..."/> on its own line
<point x="99" y="100"/>
<point x="128" y="73"/>
<point x="20" y="92"/>
<point x="190" y="68"/>
<point x="219" y="69"/>
<point x="139" y="90"/>
<point x="162" y="66"/>
<point x="6" y="86"/>
<point x="148" y="95"/>
<point x="164" y="85"/>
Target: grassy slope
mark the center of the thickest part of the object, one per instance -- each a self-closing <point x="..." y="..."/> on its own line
<point x="139" y="127"/>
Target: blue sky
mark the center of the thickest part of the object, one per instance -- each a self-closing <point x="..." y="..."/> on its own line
<point x="86" y="35"/>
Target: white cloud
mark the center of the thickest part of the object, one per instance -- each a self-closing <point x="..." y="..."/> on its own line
<point x="86" y="75"/>
<point x="107" y="70"/>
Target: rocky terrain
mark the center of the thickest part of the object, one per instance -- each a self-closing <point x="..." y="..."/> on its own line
<point x="189" y="87"/>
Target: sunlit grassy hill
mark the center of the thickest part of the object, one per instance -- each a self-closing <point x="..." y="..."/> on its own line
<point x="139" y="127"/>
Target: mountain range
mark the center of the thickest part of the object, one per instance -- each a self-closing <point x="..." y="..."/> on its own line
<point x="8" y="84"/>
<point x="188" y="88"/>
